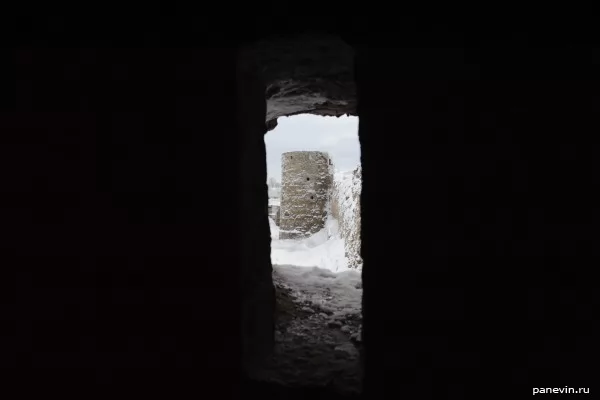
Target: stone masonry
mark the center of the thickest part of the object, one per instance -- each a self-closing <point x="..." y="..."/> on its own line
<point x="306" y="183"/>
<point x="345" y="208"/>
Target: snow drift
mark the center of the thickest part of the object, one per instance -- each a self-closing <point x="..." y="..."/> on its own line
<point x="325" y="249"/>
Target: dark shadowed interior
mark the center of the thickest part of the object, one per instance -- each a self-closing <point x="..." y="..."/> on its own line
<point x="134" y="205"/>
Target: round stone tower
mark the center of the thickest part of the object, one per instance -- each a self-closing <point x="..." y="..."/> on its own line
<point x="306" y="179"/>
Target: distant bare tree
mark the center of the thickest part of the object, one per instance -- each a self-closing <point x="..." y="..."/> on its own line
<point x="273" y="183"/>
<point x="274" y="187"/>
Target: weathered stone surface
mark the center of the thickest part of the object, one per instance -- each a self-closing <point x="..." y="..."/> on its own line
<point x="311" y="73"/>
<point x="306" y="184"/>
<point x="346" y="350"/>
<point x="357" y="337"/>
<point x="345" y="207"/>
<point x="334" y="324"/>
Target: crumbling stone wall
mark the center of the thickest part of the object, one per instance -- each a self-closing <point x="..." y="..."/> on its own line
<point x="345" y="208"/>
<point x="306" y="183"/>
<point x="274" y="213"/>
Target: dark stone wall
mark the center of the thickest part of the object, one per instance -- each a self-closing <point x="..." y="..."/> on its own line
<point x="120" y="279"/>
<point x="258" y="291"/>
<point x="484" y="163"/>
<point x="481" y="156"/>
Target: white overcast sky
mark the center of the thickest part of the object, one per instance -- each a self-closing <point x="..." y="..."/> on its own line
<point x="336" y="136"/>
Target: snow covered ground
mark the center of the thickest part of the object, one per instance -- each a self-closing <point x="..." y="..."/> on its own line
<point x="324" y="249"/>
<point x="318" y="332"/>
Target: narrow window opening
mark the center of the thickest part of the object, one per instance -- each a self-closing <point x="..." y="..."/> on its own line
<point x="318" y="226"/>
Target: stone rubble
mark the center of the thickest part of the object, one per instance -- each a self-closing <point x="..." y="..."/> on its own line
<point x="313" y="347"/>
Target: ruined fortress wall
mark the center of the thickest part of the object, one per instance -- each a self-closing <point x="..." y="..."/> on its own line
<point x="345" y="208"/>
<point x="306" y="183"/>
